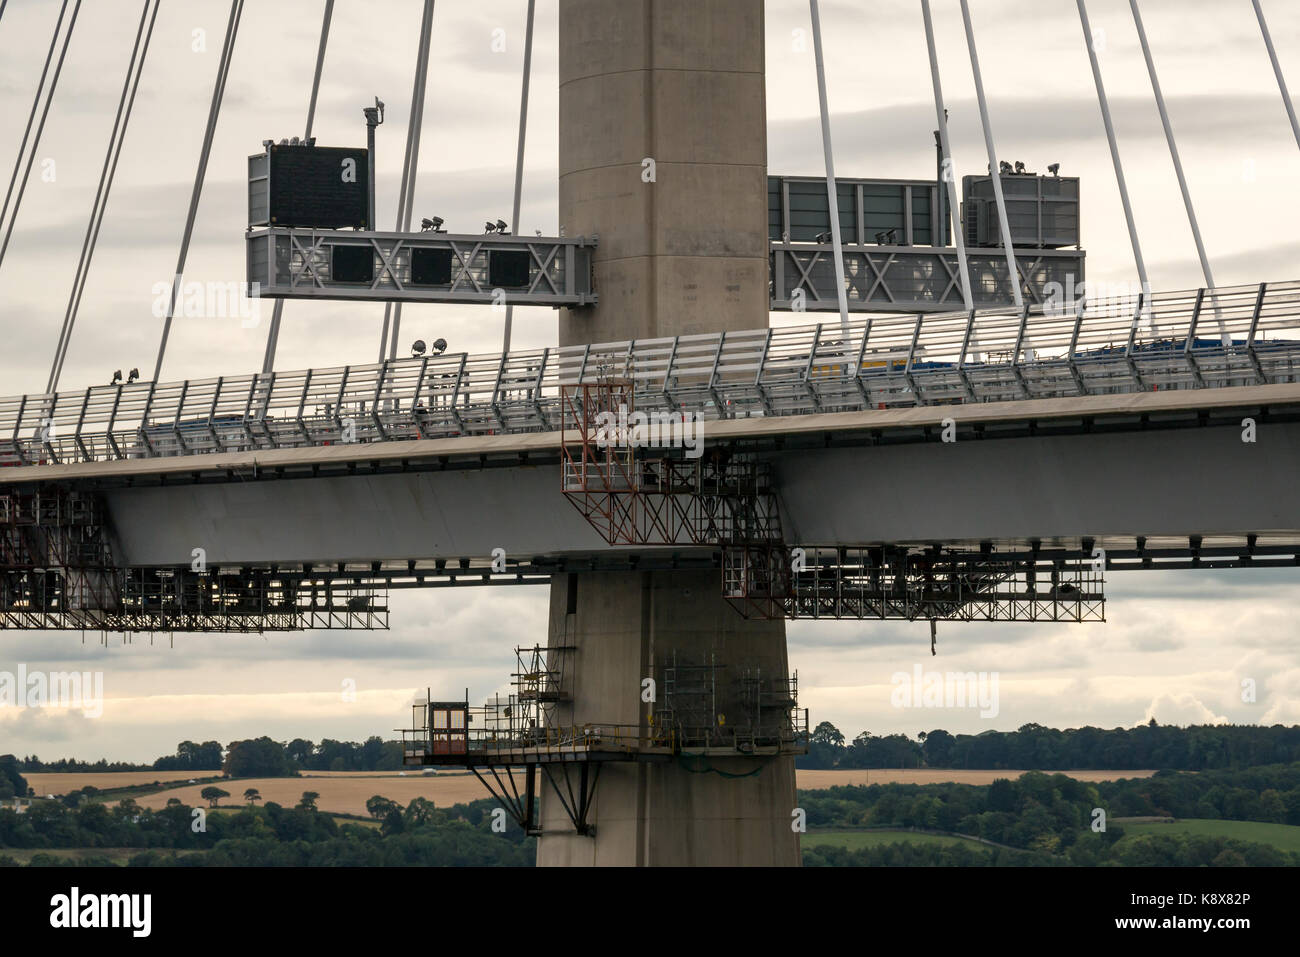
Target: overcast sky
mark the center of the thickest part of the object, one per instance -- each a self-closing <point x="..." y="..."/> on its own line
<point x="1177" y="645"/>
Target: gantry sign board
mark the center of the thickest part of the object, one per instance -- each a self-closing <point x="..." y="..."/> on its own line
<point x="294" y="263"/>
<point x="298" y="185"/>
<point x="897" y="256"/>
<point x="915" y="279"/>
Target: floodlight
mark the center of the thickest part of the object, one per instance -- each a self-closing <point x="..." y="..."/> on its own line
<point x="417" y="347"/>
<point x="439" y="346"/>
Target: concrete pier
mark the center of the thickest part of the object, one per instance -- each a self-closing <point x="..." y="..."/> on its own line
<point x="663" y="155"/>
<point x="685" y="811"/>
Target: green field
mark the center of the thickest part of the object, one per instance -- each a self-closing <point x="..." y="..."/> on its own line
<point x="119" y="855"/>
<point x="856" y="840"/>
<point x="1285" y="837"/>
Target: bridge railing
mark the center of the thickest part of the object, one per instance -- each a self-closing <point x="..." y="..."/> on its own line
<point x="1237" y="335"/>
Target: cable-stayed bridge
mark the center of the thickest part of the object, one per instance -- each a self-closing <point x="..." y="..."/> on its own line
<point x="955" y="446"/>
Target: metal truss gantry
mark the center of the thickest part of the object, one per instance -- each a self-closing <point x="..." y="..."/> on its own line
<point x="299" y="263"/>
<point x="913" y="279"/>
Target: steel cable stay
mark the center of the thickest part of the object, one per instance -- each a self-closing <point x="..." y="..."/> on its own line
<point x="273" y="334"/>
<point x="1104" y="104"/>
<point x="40" y="128"/>
<point x="117" y="137"/>
<point x="410" y="161"/>
<point x="1277" y="71"/>
<point x="1178" y="167"/>
<point x="31" y="116"/>
<point x="519" y="156"/>
<point x="214" y="111"/>
<point x="1013" y="274"/>
<point x="832" y="197"/>
<point x="949" y="180"/>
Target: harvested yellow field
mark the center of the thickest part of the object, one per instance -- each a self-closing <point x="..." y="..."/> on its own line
<point x="345" y="793"/>
<point x="815" y="780"/>
<point x="54" y="782"/>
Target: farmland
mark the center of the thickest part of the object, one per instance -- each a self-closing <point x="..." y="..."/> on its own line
<point x="1285" y="837"/>
<point x="346" y="792"/>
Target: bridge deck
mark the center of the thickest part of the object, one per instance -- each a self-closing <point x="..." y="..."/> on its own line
<point x="1190" y="341"/>
<point x="509" y="448"/>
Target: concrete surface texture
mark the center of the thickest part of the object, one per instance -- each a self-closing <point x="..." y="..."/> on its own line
<point x="663" y="155"/>
<point x="682" y="811"/>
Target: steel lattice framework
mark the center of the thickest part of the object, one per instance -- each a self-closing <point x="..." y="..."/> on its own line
<point x="626" y="477"/>
<point x="293" y="263"/>
<point x="912" y="278"/>
<point x="58" y="572"/>
<point x="863" y="583"/>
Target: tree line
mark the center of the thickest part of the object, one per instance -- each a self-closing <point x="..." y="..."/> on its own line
<point x="1052" y="819"/>
<point x="1035" y="820"/>
<point x="256" y="757"/>
<point x="266" y="836"/>
<point x="1033" y="746"/>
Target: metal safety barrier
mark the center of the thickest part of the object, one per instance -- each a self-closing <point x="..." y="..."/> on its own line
<point x="1229" y="336"/>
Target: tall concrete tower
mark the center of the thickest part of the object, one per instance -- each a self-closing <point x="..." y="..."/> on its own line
<point x="663" y="155"/>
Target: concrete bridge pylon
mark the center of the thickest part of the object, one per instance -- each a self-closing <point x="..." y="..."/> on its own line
<point x="663" y="155"/>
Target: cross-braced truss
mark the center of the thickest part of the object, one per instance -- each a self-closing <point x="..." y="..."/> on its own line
<point x="288" y="262"/>
<point x="623" y="472"/>
<point x="58" y="572"/>
<point x="882" y="583"/>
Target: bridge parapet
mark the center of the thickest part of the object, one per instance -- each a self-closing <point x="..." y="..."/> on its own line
<point x="1233" y="336"/>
